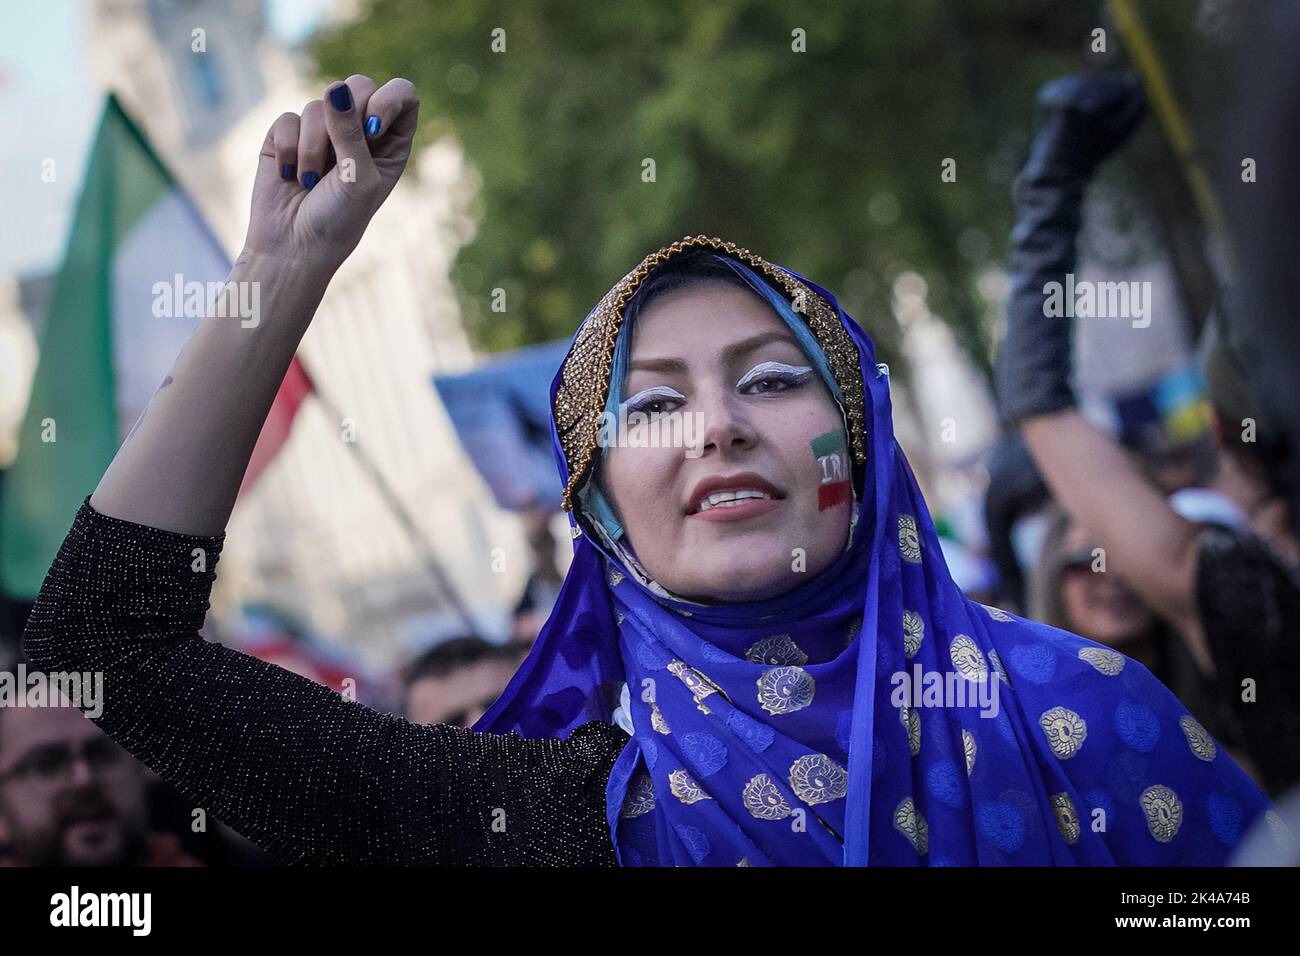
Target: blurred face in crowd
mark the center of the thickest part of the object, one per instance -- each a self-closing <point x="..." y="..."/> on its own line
<point x="460" y="697"/>
<point x="69" y="795"/>
<point x="720" y="353"/>
<point x="1099" y="604"/>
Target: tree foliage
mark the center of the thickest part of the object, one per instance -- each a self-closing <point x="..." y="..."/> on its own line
<point x="827" y="161"/>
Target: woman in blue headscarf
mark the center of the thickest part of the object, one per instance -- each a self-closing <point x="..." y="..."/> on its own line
<point x="757" y="657"/>
<point x="764" y="607"/>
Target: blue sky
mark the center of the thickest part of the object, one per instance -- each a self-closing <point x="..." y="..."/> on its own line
<point x="48" y="109"/>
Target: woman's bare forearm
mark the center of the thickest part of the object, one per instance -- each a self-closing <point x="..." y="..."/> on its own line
<point x="1147" y="541"/>
<point x="181" y="466"/>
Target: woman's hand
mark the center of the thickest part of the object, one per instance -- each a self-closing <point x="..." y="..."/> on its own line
<point x="323" y="174"/>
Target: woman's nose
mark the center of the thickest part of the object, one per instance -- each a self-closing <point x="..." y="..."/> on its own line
<point x="725" y="424"/>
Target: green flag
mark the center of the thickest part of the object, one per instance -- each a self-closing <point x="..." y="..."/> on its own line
<point x="125" y="300"/>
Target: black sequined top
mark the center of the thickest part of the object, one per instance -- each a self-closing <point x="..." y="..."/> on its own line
<point x="1250" y="609"/>
<point x="301" y="771"/>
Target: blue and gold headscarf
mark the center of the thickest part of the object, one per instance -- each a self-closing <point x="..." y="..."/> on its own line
<point x="780" y="732"/>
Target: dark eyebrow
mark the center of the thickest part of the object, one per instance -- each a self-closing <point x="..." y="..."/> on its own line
<point x="728" y="354"/>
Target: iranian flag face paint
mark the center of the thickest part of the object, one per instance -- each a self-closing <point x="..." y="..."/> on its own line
<point x="831" y="452"/>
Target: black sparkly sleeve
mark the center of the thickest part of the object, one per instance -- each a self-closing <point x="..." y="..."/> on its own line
<point x="1249" y="605"/>
<point x="301" y="771"/>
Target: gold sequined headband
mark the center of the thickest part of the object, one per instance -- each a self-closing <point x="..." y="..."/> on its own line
<point x="584" y="390"/>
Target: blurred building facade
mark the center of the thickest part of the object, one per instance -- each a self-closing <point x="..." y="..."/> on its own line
<point x="22" y="315"/>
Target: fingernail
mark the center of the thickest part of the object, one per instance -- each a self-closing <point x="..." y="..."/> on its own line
<point x="286" y="171"/>
<point x="309" y="180"/>
<point x="372" y="125"/>
<point x="341" y="98"/>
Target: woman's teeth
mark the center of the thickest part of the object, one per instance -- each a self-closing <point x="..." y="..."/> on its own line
<point x="729" y="499"/>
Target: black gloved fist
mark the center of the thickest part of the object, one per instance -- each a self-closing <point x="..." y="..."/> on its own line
<point x="1082" y="119"/>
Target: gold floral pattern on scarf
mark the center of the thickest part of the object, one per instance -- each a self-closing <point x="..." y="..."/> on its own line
<point x="1105" y="660"/>
<point x="685" y="789"/>
<point x="1198" y="738"/>
<point x="967" y="658"/>
<point x="1164" y="812"/>
<point x="912" y="722"/>
<point x="909" y="822"/>
<point x="816" y="778"/>
<point x="909" y="540"/>
<point x="698" y="683"/>
<point x="585" y="375"/>
<point x="783" y="690"/>
<point x="763" y="800"/>
<point x="779" y="649"/>
<point x="913" y="633"/>
<point x="640" y="797"/>
<point x="1067" y="818"/>
<point x="657" y="721"/>
<point x="998" y="614"/>
<point x="1065" y="730"/>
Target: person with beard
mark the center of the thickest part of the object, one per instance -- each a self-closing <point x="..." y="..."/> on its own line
<point x="70" y="796"/>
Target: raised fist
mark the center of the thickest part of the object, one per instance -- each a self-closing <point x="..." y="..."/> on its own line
<point x="323" y="174"/>
<point x="1082" y="119"/>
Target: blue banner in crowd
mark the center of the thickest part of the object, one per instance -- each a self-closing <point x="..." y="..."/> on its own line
<point x="501" y="412"/>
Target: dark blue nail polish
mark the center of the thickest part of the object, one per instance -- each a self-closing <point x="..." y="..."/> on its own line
<point x="341" y="98"/>
<point x="286" y="171"/>
<point x="310" y="179"/>
<point x="372" y="125"/>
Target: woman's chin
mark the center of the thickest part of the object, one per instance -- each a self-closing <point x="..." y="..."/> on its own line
<point x="739" y="585"/>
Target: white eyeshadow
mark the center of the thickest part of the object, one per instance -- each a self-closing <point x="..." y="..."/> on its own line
<point x="765" y="368"/>
<point x="659" y="391"/>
